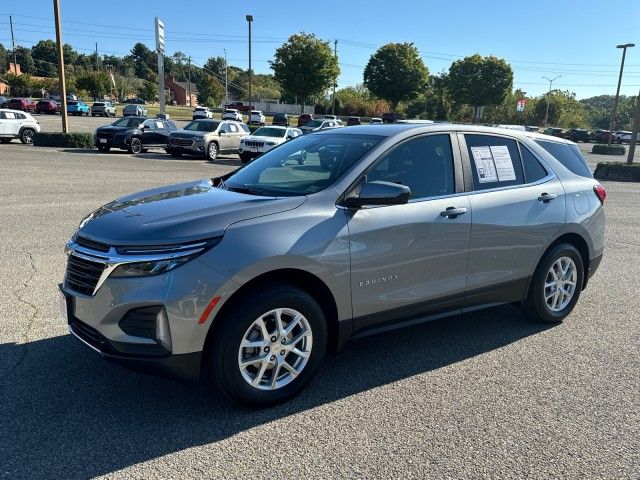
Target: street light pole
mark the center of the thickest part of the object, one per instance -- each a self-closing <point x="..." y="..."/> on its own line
<point x="550" y="80"/>
<point x="226" y="80"/>
<point x="249" y="20"/>
<point x="615" y="101"/>
<point x="63" y="85"/>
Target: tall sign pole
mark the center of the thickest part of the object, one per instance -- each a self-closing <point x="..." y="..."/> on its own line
<point x="160" y="51"/>
<point x="226" y="81"/>
<point x="249" y="20"/>
<point x="63" y="85"/>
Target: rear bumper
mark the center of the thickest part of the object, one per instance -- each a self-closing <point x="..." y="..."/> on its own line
<point x="184" y="367"/>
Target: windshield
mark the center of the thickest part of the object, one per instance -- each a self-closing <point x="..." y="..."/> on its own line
<point x="270" y="132"/>
<point x="128" y="122"/>
<point x="314" y="123"/>
<point x="202" y="126"/>
<point x="230" y="111"/>
<point x="302" y="166"/>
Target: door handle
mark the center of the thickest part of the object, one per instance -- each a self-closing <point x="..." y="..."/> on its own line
<point x="453" y="212"/>
<point x="547" y="197"/>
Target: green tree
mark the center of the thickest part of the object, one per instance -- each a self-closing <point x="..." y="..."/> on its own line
<point x="145" y="61"/>
<point x="25" y="60"/>
<point x="4" y="65"/>
<point x="396" y="73"/>
<point x="210" y="91"/>
<point x="564" y="110"/>
<point x="149" y="91"/>
<point x="45" y="54"/>
<point x="20" y="85"/>
<point x="480" y="81"/>
<point x="305" y="66"/>
<point x="97" y="84"/>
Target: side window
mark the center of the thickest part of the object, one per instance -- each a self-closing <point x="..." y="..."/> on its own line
<point x="568" y="155"/>
<point x="159" y="125"/>
<point x="424" y="164"/>
<point x="495" y="161"/>
<point x="8" y="115"/>
<point x="233" y="128"/>
<point x="224" y="127"/>
<point x="21" y="116"/>
<point x="533" y="169"/>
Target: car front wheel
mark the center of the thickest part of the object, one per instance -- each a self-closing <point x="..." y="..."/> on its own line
<point x="27" y="135"/>
<point x="135" y="146"/>
<point x="212" y="151"/>
<point x="267" y="350"/>
<point x="556" y="285"/>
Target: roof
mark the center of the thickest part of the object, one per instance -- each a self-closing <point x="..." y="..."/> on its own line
<point x="185" y="86"/>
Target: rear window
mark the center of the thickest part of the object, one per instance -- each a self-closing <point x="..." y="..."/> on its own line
<point x="569" y="156"/>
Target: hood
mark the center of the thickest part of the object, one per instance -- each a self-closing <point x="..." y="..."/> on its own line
<point x="188" y="134"/>
<point x="112" y="128"/>
<point x="260" y="138"/>
<point x="177" y="213"/>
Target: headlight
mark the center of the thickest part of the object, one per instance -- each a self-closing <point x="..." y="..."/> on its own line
<point x="143" y="269"/>
<point x="199" y="140"/>
<point x="270" y="144"/>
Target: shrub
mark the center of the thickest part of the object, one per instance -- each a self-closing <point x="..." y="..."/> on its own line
<point x="608" y="149"/>
<point x="63" y="140"/>
<point x="618" y="172"/>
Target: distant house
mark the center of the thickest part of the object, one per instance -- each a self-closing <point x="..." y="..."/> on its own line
<point x="183" y="93"/>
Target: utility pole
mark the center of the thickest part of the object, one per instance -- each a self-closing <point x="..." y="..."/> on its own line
<point x="335" y="80"/>
<point x="615" y="102"/>
<point x="13" y="42"/>
<point x="63" y="85"/>
<point x="635" y="132"/>
<point x="189" y="89"/>
<point x="226" y="81"/>
<point x="550" y="80"/>
<point x="250" y="20"/>
<point x="97" y="68"/>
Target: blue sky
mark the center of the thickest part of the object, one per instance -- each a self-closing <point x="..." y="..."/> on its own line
<point x="572" y="38"/>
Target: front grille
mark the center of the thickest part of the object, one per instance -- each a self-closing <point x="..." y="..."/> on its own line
<point x="253" y="144"/>
<point x="82" y="275"/>
<point x="182" y="142"/>
<point x="105" y="135"/>
<point x="87" y="333"/>
<point x="91" y="244"/>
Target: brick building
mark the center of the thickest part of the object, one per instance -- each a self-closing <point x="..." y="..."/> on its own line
<point x="180" y="92"/>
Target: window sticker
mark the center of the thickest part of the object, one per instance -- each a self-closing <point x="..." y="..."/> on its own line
<point x="503" y="163"/>
<point x="485" y="167"/>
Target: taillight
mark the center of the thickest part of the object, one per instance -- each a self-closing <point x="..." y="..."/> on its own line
<point x="600" y="193"/>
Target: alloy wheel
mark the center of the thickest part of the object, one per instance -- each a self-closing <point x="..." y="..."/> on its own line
<point x="560" y="284"/>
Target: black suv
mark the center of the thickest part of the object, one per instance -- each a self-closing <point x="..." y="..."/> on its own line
<point x="578" y="135"/>
<point x="281" y="119"/>
<point x="135" y="134"/>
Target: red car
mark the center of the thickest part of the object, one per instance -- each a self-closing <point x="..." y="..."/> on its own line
<point x="47" y="106"/>
<point x="23" y="104"/>
<point x="304" y="119"/>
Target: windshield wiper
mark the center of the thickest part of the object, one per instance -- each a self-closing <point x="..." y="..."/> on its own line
<point x="250" y="190"/>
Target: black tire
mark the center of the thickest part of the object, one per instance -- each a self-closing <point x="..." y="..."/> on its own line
<point x="222" y="354"/>
<point x="135" y="145"/>
<point x="535" y="306"/>
<point x="104" y="149"/>
<point x="93" y="114"/>
<point x="26" y="135"/>
<point x="244" y="158"/>
<point x="212" y="151"/>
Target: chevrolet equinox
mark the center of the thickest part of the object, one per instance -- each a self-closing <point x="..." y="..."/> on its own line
<point x="249" y="278"/>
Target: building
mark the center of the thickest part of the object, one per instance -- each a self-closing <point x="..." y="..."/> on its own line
<point x="183" y="93"/>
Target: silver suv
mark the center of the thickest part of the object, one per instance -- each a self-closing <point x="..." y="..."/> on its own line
<point x="251" y="277"/>
<point x="207" y="138"/>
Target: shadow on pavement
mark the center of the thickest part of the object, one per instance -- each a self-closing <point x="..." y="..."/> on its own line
<point x="66" y="413"/>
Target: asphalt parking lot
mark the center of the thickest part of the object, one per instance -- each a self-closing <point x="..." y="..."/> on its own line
<point x="487" y="394"/>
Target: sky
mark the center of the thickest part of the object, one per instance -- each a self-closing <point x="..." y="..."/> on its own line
<point x="541" y="38"/>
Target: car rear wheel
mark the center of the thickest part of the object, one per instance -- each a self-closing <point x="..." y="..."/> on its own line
<point x="135" y="146"/>
<point x="267" y="350"/>
<point x="212" y="151"/>
<point x="26" y="136"/>
<point x="556" y="285"/>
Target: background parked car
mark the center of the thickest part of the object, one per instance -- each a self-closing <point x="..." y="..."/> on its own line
<point x="375" y="121"/>
<point x="232" y="114"/>
<point x="77" y="108"/>
<point x="554" y="131"/>
<point x="47" y="105"/>
<point x="281" y="119"/>
<point x="304" y="119"/>
<point x="207" y="138"/>
<point x="3" y="101"/>
<point x="622" y="136"/>
<point x="531" y="128"/>
<point x="201" y="112"/>
<point x="578" y="135"/>
<point x="256" y="118"/>
<point x="135" y="134"/>
<point x="264" y="139"/>
<point x="23" y="104"/>
<point x="600" y="136"/>
<point x="103" y="109"/>
<point x="320" y="124"/>
<point x="135" y="101"/>
<point x="353" y="121"/>
<point x="389" y="117"/>
<point x="15" y="124"/>
<point x="135" y="110"/>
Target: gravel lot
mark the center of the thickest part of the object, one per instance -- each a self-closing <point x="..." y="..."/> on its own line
<point x="487" y="394"/>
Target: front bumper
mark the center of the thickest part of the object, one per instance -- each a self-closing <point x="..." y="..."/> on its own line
<point x="112" y="142"/>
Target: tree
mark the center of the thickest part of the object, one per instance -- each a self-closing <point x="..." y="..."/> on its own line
<point x="25" y="60"/>
<point x="145" y="61"/>
<point x="96" y="83"/>
<point x="4" y="65"/>
<point x="45" y="54"/>
<point x="305" y="66"/>
<point x="149" y="91"/>
<point x="564" y="110"/>
<point x="210" y="91"/>
<point x="20" y="85"/>
<point x="480" y="81"/>
<point x="396" y="73"/>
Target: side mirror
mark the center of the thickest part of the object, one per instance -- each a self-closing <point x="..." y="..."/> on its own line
<point x="289" y="137"/>
<point x="379" y="193"/>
